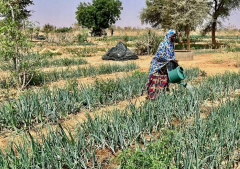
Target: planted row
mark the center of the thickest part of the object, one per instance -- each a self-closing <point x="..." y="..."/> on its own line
<point x="219" y="86"/>
<point x="62" y="62"/>
<point x="51" y="105"/>
<point x="114" y="130"/>
<point x="55" y="75"/>
<point x="43" y="77"/>
<point x="84" y="52"/>
<point x="207" y="143"/>
<point x="196" y="145"/>
<point x="201" y="145"/>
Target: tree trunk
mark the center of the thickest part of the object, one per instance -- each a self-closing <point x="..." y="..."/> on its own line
<point x="188" y="36"/>
<point x="180" y="38"/>
<point x="100" y="32"/>
<point x="214" y="25"/>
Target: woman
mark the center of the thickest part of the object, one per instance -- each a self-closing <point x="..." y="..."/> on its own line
<point x="164" y="59"/>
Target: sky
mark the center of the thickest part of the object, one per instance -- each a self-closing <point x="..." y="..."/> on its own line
<point x="61" y="13"/>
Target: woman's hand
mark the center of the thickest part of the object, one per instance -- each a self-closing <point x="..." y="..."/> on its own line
<point x="175" y="62"/>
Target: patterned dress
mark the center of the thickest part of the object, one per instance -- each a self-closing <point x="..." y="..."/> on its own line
<point x="158" y="78"/>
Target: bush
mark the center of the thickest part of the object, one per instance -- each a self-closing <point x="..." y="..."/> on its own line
<point x="125" y="38"/>
<point x="148" y="40"/>
<point x="82" y="38"/>
<point x="64" y="29"/>
<point x="48" y="28"/>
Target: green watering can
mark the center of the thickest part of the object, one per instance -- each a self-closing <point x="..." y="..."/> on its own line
<point x="177" y="75"/>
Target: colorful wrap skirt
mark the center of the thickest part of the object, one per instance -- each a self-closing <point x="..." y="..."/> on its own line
<point x="157" y="83"/>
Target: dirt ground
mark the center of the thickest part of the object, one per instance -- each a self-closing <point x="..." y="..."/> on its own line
<point x="212" y="64"/>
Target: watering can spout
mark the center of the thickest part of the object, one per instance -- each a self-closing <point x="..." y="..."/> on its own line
<point x="184" y="84"/>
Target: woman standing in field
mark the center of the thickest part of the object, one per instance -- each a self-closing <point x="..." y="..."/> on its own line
<point x="163" y="59"/>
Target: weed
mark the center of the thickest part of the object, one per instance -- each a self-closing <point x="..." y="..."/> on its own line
<point x="156" y="155"/>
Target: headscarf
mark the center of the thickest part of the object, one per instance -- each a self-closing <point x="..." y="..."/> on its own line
<point x="165" y="53"/>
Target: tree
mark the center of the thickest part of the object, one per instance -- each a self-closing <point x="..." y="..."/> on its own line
<point x="180" y="15"/>
<point x="14" y="40"/>
<point x="154" y="14"/>
<point x="48" y="28"/>
<point x="21" y="9"/>
<point x="219" y="9"/>
<point x="100" y="14"/>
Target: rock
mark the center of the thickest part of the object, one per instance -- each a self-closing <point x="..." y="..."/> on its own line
<point x="120" y="53"/>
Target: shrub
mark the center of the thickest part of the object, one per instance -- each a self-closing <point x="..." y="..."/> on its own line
<point x="81" y="38"/>
<point x="148" y="41"/>
<point x="48" y="28"/>
<point x="63" y="30"/>
<point x="125" y="38"/>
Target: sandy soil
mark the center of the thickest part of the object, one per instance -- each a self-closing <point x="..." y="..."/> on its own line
<point x="210" y="63"/>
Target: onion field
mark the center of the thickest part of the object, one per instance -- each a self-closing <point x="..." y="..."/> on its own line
<point x="205" y="136"/>
<point x="79" y="111"/>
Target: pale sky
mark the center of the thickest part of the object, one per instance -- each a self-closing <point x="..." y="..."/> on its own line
<point x="61" y="13"/>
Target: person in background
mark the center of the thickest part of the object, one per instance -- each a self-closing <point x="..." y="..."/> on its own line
<point x="111" y="32"/>
<point x="163" y="60"/>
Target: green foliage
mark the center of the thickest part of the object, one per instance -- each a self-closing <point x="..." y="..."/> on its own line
<point x="81" y="38"/>
<point x="153" y="8"/>
<point x="85" y="52"/>
<point x="63" y="30"/>
<point x="50" y="105"/>
<point x="196" y="143"/>
<point x="125" y="38"/>
<point x="62" y="62"/>
<point x="17" y="7"/>
<point x="221" y="9"/>
<point x="15" y="33"/>
<point x="156" y="155"/>
<point x="48" y="28"/>
<point x="137" y="73"/>
<point x="148" y="42"/>
<point x="218" y="9"/>
<point x="41" y="78"/>
<point x="99" y="14"/>
<point x="174" y="14"/>
<point x="117" y="38"/>
<point x="184" y="15"/>
<point x="50" y="54"/>
<point x="232" y="49"/>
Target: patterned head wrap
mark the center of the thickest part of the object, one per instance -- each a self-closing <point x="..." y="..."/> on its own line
<point x="168" y="35"/>
<point x="165" y="53"/>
